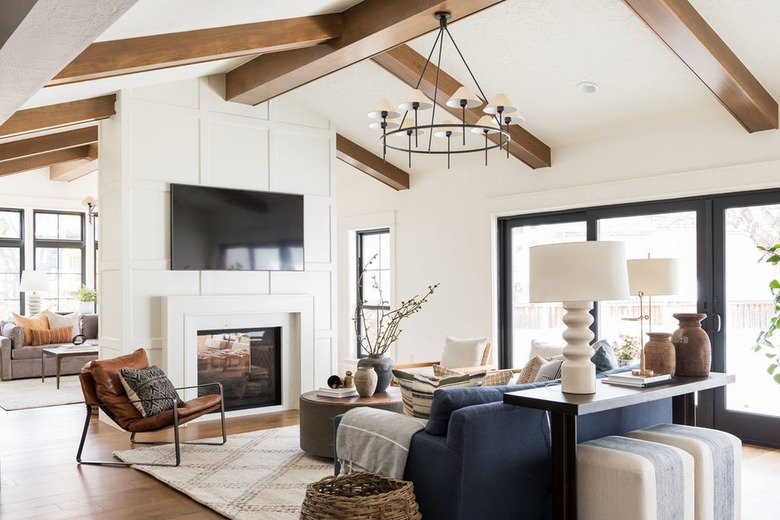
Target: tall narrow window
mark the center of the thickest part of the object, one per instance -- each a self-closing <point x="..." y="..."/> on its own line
<point x="11" y="260"/>
<point x="59" y="251"/>
<point x="373" y="260"/>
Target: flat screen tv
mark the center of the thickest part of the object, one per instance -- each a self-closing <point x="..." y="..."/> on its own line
<point x="236" y="230"/>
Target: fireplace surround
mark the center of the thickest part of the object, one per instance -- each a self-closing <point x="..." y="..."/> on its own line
<point x="185" y="316"/>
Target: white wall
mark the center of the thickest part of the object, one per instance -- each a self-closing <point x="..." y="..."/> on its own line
<point x="444" y="226"/>
<point x="186" y="133"/>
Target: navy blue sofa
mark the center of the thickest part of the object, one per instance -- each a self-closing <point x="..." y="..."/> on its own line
<point x="479" y="458"/>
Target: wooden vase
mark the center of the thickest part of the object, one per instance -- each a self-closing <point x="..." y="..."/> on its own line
<point x="694" y="352"/>
<point x="660" y="356"/>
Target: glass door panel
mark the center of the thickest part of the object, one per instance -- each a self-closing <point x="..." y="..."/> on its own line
<point x="748" y="305"/>
<point x="537" y="321"/>
<point x="661" y="235"/>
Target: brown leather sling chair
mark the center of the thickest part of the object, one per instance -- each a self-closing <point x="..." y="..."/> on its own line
<point x="102" y="388"/>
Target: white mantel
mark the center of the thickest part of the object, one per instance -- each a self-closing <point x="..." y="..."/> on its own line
<point x="184" y="316"/>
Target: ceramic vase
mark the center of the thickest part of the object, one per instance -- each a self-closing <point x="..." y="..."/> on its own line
<point x="383" y="366"/>
<point x="365" y="381"/>
<point x="660" y="356"/>
<point x="694" y="352"/>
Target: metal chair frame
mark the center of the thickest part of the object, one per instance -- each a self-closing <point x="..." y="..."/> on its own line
<point x="176" y="438"/>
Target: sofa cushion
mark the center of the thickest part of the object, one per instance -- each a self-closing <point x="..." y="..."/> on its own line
<point x="13" y="332"/>
<point x="89" y="325"/>
<point x="546" y="350"/>
<point x="57" y="321"/>
<point x="151" y="387"/>
<point x="47" y="337"/>
<point x="417" y="391"/>
<point x="463" y="352"/>
<point x="604" y="356"/>
<point x="529" y="371"/>
<point x="38" y="322"/>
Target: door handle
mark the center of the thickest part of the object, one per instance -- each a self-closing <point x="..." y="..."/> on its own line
<point x="719" y="326"/>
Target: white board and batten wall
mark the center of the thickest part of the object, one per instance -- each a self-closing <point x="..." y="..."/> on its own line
<point x="187" y="133"/>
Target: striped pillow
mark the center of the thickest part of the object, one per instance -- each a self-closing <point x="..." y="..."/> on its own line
<point x="417" y="390"/>
<point x="47" y="337"/>
<point x="550" y="371"/>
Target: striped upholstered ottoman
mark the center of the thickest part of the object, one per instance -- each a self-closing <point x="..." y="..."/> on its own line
<point x="626" y="478"/>
<point x="717" y="460"/>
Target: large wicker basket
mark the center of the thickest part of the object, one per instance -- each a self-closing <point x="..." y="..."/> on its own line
<point x="360" y="496"/>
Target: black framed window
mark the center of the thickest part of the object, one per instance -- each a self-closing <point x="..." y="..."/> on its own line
<point x="59" y="248"/>
<point x="11" y="260"/>
<point x="374" y="263"/>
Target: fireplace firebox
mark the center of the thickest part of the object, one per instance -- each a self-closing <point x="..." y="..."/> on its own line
<point x="247" y="362"/>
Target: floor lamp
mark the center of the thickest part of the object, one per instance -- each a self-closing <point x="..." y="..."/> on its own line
<point x="32" y="283"/>
<point x="577" y="274"/>
<point x="651" y="277"/>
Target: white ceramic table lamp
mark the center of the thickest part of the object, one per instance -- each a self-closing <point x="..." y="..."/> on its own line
<point x="32" y="283"/>
<point x="651" y="277"/>
<point x="577" y="274"/>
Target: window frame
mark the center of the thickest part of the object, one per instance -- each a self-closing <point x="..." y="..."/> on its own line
<point x="17" y="243"/>
<point x="359" y="262"/>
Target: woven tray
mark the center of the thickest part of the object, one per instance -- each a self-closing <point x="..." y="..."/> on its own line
<point x="360" y="496"/>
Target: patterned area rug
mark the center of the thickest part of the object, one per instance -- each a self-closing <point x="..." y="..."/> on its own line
<point x="260" y="474"/>
<point x="32" y="393"/>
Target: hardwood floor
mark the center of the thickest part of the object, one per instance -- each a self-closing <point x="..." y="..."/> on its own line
<point x="39" y="477"/>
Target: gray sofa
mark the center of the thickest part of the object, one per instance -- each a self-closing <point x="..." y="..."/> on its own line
<point x="18" y="361"/>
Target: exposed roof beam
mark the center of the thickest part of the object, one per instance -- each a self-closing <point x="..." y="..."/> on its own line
<point x="43" y="160"/>
<point x="72" y="170"/>
<point x="689" y="36"/>
<point x="115" y="57"/>
<point x="62" y="114"/>
<point x="368" y="163"/>
<point x="407" y="64"/>
<point x="370" y="27"/>
<point x="38" y="38"/>
<point x="48" y="143"/>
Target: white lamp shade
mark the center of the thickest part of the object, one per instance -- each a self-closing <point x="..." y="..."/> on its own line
<point x="654" y="276"/>
<point x="502" y="103"/>
<point x="34" y="281"/>
<point x="464" y="94"/>
<point x="416" y="96"/>
<point x="89" y="200"/>
<point x="389" y="125"/>
<point x="384" y="106"/>
<point x="578" y="272"/>
<point x="514" y="119"/>
<point x="486" y="121"/>
<point x="453" y="129"/>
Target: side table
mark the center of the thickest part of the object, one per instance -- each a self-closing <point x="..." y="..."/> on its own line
<point x="317" y="413"/>
<point x="58" y="353"/>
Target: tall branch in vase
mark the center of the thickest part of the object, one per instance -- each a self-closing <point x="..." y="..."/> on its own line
<point x="376" y="339"/>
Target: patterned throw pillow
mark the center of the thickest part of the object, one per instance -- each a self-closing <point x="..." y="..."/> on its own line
<point x="492" y="378"/>
<point x="47" y="337"/>
<point x="550" y="370"/>
<point x="149" y="383"/>
<point x="38" y="322"/>
<point x="528" y="374"/>
<point x="604" y="357"/>
<point x="417" y="390"/>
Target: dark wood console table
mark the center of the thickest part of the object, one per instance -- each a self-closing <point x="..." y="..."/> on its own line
<point x="565" y="408"/>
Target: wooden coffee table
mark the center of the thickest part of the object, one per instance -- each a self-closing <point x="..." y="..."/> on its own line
<point x="317" y="413"/>
<point x="58" y="353"/>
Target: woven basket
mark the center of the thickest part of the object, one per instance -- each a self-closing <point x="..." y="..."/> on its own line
<point x="360" y="496"/>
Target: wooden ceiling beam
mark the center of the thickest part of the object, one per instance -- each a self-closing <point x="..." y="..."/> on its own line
<point x="72" y="170"/>
<point x="689" y="36"/>
<point x="48" y="143"/>
<point x="407" y="64"/>
<point x="43" y="160"/>
<point x="368" y="28"/>
<point x="368" y="163"/>
<point x="61" y="114"/>
<point x="116" y="57"/>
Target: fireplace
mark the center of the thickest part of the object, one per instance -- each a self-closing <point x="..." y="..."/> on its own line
<point x="247" y="362"/>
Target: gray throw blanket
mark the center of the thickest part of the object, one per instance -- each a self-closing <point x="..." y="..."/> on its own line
<point x="376" y="441"/>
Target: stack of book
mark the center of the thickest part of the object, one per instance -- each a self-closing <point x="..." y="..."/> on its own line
<point x="629" y="379"/>
<point x="337" y="392"/>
